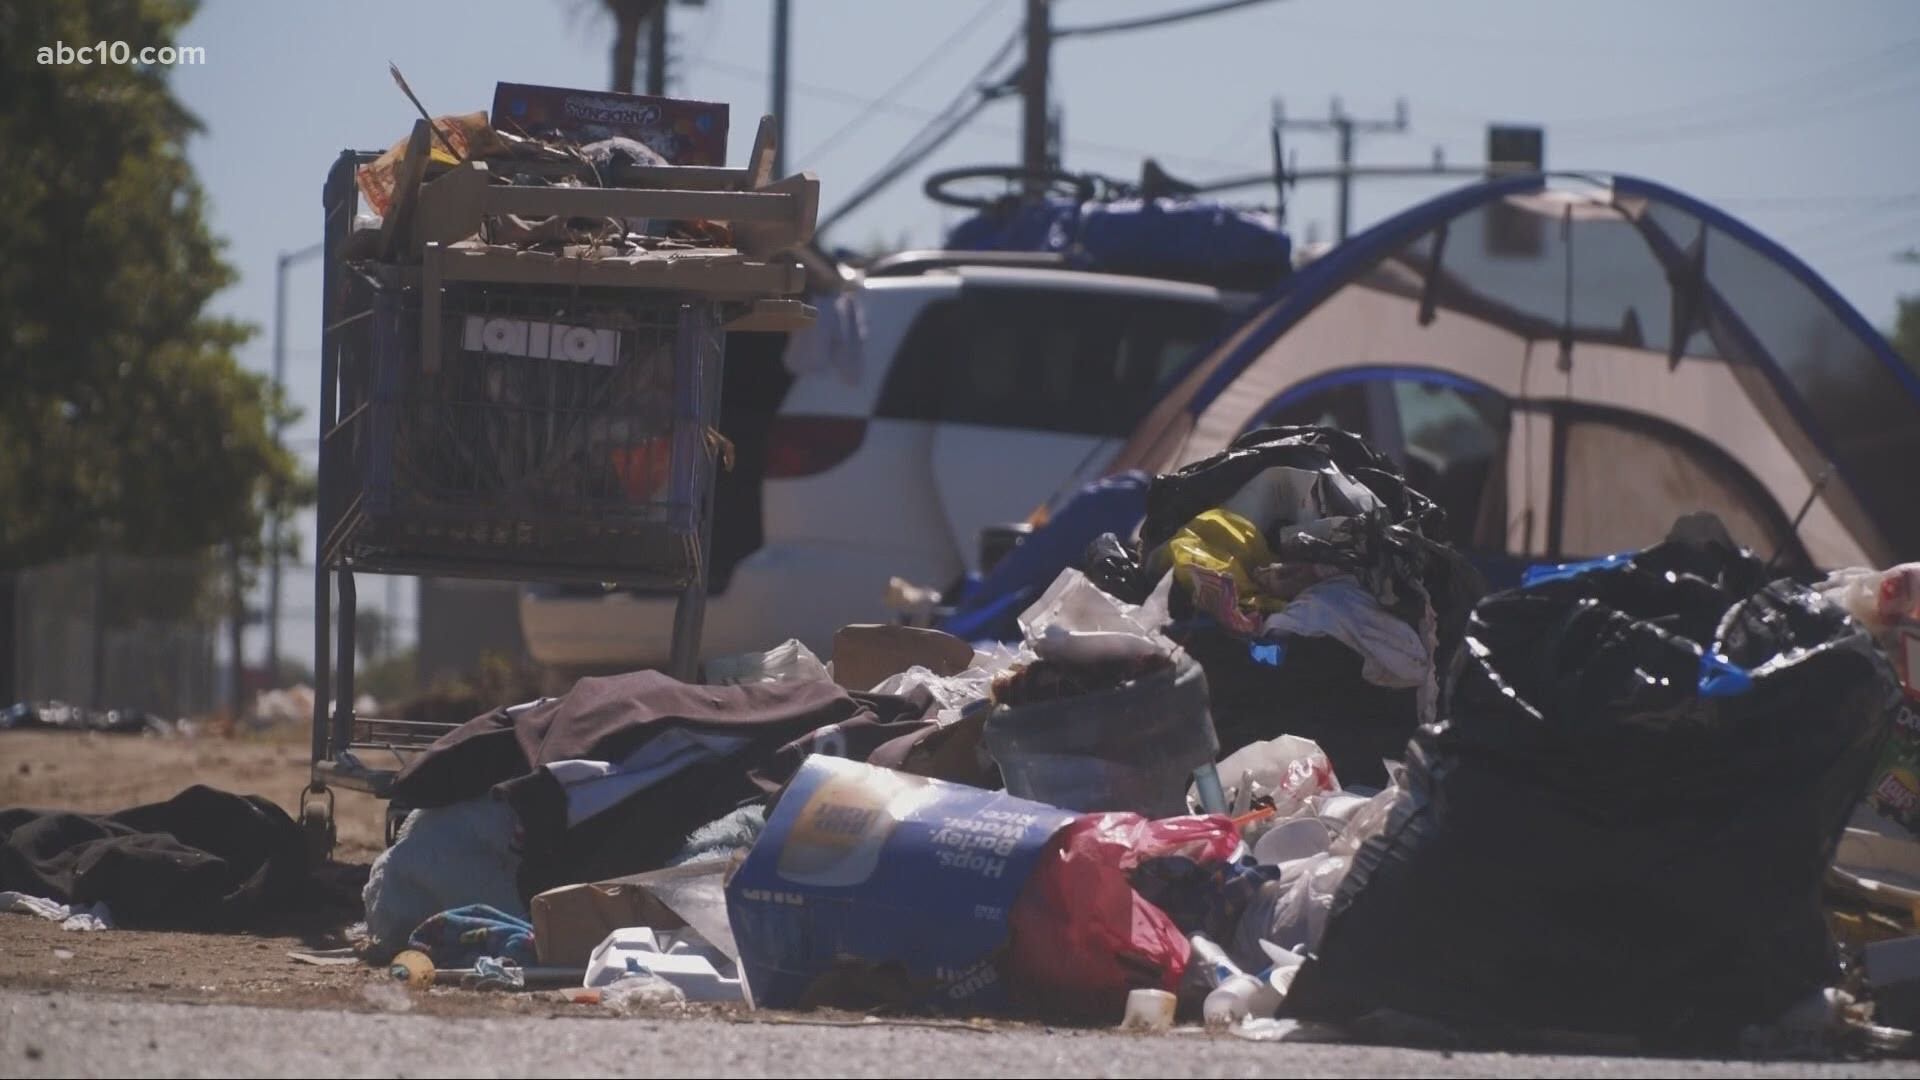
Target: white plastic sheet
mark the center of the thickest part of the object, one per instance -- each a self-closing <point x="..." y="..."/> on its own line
<point x="1077" y="621"/>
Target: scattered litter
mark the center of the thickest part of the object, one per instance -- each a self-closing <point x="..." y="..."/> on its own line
<point x="935" y="1023"/>
<point x="867" y="654"/>
<point x="70" y="917"/>
<point x="684" y="959"/>
<point x="494" y="973"/>
<point x="638" y="990"/>
<point x="1887" y="603"/>
<point x="60" y="716"/>
<point x="331" y="958"/>
<point x="387" y="996"/>
<point x="413" y="968"/>
<point x="63" y="954"/>
<point x="787" y="661"/>
<point x="1149" y="1010"/>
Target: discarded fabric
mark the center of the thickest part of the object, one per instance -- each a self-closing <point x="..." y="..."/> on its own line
<point x="69" y="916"/>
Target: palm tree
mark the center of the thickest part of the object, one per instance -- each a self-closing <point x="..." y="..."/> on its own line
<point x="628" y="17"/>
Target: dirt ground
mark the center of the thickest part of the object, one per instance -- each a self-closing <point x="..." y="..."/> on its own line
<point x="60" y="770"/>
<point x="90" y="772"/>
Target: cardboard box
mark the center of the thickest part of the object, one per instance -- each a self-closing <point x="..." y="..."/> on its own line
<point x="870" y="883"/>
<point x="683" y="132"/>
<point x="865" y="654"/>
<point x="571" y="921"/>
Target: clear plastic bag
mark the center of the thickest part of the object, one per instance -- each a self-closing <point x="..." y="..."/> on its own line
<point x="1077" y="621"/>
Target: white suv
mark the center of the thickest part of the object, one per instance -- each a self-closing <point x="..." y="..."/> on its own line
<point x="976" y="393"/>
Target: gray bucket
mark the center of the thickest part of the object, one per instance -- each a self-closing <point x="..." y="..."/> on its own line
<point x="1133" y="747"/>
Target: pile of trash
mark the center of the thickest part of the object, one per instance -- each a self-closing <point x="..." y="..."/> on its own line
<point x="554" y="137"/>
<point x="60" y="716"/>
<point x="1308" y="586"/>
<point x="1605" y="808"/>
<point x="1657" y="801"/>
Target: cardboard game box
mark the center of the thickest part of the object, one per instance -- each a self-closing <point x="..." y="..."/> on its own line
<point x="683" y="132"/>
<point x="870" y="882"/>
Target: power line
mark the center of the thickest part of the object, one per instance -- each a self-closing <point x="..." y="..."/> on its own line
<point x="1146" y="21"/>
<point x="929" y="138"/>
<point x="1785" y="116"/>
<point x="1816" y="202"/>
<point x="1843" y="233"/>
<point x="1344" y="127"/>
<point x="913" y="75"/>
<point x="922" y="112"/>
<point x="1743" y="101"/>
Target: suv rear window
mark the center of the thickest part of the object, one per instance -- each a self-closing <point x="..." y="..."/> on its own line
<point x="1079" y="363"/>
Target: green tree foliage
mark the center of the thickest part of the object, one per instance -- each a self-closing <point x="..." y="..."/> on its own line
<point x="1905" y="334"/>
<point x="126" y="423"/>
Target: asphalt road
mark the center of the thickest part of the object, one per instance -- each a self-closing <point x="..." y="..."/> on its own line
<point x="63" y="1034"/>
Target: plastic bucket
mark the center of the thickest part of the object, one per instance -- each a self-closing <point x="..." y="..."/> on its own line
<point x="1133" y="747"/>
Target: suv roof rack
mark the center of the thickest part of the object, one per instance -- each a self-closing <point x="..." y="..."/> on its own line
<point x="908" y="263"/>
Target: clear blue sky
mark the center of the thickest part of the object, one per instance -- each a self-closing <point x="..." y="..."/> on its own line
<point x="1800" y="118"/>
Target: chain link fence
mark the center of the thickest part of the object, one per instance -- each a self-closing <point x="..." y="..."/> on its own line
<point x="120" y="632"/>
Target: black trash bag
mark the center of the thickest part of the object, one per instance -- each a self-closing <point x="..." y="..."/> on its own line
<point x="1390" y="550"/>
<point x="1312" y="686"/>
<point x="1307" y="686"/>
<point x="1115" y="568"/>
<point x="1173" y="499"/>
<point x="1622" y="825"/>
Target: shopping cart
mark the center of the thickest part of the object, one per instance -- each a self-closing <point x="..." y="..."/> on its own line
<point x="487" y="415"/>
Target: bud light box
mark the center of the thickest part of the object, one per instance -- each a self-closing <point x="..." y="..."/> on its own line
<point x="871" y="886"/>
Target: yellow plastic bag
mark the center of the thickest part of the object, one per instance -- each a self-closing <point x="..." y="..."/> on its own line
<point x="1214" y="550"/>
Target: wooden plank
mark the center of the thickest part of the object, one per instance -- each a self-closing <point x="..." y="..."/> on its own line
<point x="684" y="177"/>
<point x="710" y="277"/>
<point x="760" y="158"/>
<point x="641" y="203"/>
<point x="773" y="315"/>
<point x="406" y="190"/>
<point x="450" y="206"/>
<point x="764" y="240"/>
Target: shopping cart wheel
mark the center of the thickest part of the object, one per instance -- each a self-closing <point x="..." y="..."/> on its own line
<point x="316" y="822"/>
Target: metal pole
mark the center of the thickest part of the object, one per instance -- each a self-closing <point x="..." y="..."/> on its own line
<point x="1344" y="125"/>
<point x="782" y="16"/>
<point x="1033" y="90"/>
<point x="274" y="530"/>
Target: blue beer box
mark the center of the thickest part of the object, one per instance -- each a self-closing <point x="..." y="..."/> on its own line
<point x="872" y="881"/>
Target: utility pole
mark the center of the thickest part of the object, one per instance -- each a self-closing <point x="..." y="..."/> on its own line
<point x="276" y="526"/>
<point x="782" y="15"/>
<point x="1345" y="127"/>
<point x="1034" y="158"/>
<point x="657" y="51"/>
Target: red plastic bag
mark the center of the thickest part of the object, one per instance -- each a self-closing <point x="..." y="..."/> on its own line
<point x="1082" y="937"/>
